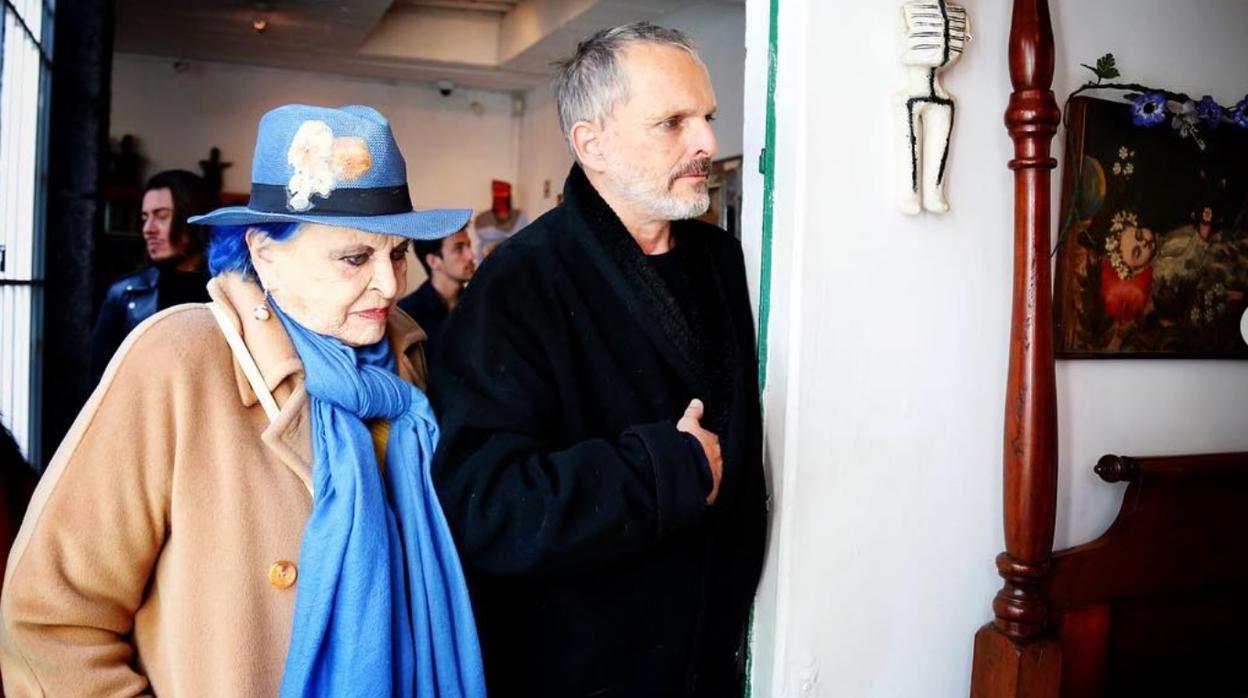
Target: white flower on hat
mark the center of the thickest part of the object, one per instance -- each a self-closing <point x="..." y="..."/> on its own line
<point x="320" y="161"/>
<point x="309" y="154"/>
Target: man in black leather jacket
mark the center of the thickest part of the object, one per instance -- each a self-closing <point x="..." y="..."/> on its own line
<point x="176" y="274"/>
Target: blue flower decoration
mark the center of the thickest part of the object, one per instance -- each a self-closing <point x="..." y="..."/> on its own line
<point x="1150" y="109"/>
<point x="1239" y="114"/>
<point x="1209" y="111"/>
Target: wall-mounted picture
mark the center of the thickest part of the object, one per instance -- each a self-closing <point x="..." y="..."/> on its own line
<point x="1152" y="258"/>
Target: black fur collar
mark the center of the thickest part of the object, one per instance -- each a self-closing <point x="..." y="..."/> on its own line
<point x="704" y="338"/>
<point x="627" y="255"/>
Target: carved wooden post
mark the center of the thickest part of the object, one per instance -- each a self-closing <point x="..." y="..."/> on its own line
<point x="1015" y="655"/>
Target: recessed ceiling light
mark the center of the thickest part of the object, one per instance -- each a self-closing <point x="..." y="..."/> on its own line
<point x="259" y="24"/>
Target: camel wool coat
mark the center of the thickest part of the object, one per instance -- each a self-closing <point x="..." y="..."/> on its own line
<point x="160" y="553"/>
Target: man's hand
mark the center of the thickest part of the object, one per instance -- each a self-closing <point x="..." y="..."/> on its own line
<point x="691" y="423"/>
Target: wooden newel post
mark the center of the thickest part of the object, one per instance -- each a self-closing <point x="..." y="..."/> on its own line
<point x="1016" y="655"/>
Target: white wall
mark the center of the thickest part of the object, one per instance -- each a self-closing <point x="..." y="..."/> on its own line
<point x="544" y="156"/>
<point x="889" y="335"/>
<point x="719" y="31"/>
<point x="452" y="153"/>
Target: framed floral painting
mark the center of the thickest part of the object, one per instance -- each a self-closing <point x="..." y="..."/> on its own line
<point x="1152" y="256"/>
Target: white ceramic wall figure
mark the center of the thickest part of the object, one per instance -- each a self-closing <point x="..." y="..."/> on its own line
<point x="935" y="35"/>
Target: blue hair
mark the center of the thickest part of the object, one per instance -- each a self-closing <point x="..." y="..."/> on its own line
<point x="228" y="249"/>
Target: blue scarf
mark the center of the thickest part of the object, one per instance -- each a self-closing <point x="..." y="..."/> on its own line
<point x="381" y="607"/>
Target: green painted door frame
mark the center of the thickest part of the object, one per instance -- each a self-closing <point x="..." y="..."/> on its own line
<point x="767" y="166"/>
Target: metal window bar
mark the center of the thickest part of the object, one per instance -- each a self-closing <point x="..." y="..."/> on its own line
<point x="25" y="83"/>
<point x="42" y="21"/>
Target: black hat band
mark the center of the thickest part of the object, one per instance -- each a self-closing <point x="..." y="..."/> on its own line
<point x="374" y="201"/>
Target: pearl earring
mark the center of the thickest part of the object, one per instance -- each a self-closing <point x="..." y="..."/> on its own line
<point x="261" y="312"/>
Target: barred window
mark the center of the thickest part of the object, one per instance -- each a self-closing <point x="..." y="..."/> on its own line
<point x="25" y="89"/>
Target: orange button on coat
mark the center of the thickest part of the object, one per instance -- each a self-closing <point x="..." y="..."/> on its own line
<point x="282" y="574"/>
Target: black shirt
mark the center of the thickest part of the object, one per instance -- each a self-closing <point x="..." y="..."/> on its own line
<point x="694" y="292"/>
<point x="429" y="310"/>
<point x="673" y="266"/>
<point x="175" y="287"/>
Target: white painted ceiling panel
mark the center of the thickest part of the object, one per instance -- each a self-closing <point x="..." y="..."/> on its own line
<point x="384" y="39"/>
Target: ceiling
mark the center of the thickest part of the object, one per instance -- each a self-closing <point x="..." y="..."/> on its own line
<point x="499" y="7"/>
<point x="504" y="45"/>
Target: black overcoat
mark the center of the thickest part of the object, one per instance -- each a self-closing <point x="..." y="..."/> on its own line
<point x="595" y="566"/>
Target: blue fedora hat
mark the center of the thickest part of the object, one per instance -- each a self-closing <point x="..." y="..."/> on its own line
<point x="338" y="167"/>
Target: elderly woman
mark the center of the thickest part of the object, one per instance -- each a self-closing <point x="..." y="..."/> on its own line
<point x="244" y="508"/>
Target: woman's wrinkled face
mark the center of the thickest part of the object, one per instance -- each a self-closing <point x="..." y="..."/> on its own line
<point x="339" y="282"/>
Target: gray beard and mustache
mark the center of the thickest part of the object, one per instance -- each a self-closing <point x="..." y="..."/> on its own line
<point x="656" y="197"/>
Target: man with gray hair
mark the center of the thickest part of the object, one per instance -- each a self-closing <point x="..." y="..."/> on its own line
<point x="601" y="454"/>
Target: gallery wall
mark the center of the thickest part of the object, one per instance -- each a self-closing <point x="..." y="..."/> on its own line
<point x="452" y="152"/>
<point x="452" y="149"/>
